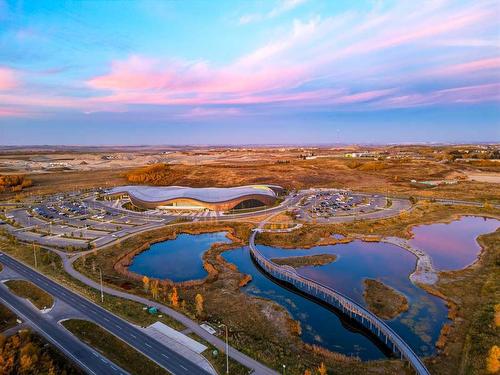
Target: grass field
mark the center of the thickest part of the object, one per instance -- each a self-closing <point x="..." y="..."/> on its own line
<point x="113" y="348"/>
<point x="26" y="289"/>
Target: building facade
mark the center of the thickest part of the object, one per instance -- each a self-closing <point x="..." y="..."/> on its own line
<point x="186" y="198"/>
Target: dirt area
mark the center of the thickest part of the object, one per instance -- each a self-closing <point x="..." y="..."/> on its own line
<point x="493" y="178"/>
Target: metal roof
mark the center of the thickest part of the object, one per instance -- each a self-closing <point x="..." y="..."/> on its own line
<point x="209" y="195"/>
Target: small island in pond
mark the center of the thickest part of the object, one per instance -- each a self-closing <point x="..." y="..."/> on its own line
<point x="382" y="300"/>
<point x="307" y="260"/>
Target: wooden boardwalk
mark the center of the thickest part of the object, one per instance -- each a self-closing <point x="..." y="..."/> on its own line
<point x="343" y="303"/>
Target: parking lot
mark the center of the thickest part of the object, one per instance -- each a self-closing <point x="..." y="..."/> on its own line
<point x="73" y="222"/>
<point x="326" y="205"/>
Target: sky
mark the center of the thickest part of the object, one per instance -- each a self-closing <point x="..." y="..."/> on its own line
<point x="249" y="72"/>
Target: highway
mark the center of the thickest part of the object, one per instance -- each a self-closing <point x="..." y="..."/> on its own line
<point x="165" y="357"/>
<point x="87" y="359"/>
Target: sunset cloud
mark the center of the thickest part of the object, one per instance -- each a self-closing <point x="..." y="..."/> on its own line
<point x="380" y="55"/>
<point x="8" y="79"/>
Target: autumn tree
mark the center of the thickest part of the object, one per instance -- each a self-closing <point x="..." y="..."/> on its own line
<point x="25" y="353"/>
<point x="307" y="372"/>
<point x="174" y="297"/>
<point x="145" y="283"/>
<point x="155" y="289"/>
<point x="165" y="294"/>
<point x="493" y="360"/>
<point x="199" y="304"/>
<point x="322" y="369"/>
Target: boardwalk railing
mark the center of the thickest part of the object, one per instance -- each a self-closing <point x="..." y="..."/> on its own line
<point x="341" y="302"/>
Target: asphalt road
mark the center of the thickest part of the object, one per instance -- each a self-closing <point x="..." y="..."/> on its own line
<point x="90" y="361"/>
<point x="165" y="357"/>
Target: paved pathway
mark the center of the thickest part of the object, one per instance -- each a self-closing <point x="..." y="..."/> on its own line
<point x="424" y="272"/>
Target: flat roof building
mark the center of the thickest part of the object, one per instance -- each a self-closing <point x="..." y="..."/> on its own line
<point x="215" y="199"/>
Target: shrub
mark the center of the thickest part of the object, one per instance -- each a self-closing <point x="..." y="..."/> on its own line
<point x="156" y="174"/>
<point x="14" y="182"/>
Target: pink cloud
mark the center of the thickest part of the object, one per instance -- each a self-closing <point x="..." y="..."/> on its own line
<point x="364" y="96"/>
<point x="200" y="112"/>
<point x="142" y="80"/>
<point x="8" y="79"/>
<point x="14" y="112"/>
<point x="318" y="61"/>
<point x="464" y="94"/>
<point x="470" y="67"/>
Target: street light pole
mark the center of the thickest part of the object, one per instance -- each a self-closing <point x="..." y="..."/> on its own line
<point x="102" y="292"/>
<point x="227" y="349"/>
<point x="284" y="369"/>
<point x="34" y="255"/>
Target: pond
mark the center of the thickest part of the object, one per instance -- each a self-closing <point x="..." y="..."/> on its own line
<point x="419" y="326"/>
<point x="453" y="245"/>
<point x="357" y="260"/>
<point x="178" y="260"/>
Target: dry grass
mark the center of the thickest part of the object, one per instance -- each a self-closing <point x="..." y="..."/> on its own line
<point x="308" y="260"/>
<point x="400" y="226"/>
<point x="383" y="300"/>
<point x="393" y="176"/>
<point x="474" y="291"/>
<point x="26" y="289"/>
<point x="56" y="182"/>
<point x="113" y="348"/>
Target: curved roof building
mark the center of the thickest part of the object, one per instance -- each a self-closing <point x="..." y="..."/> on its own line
<point x="217" y="199"/>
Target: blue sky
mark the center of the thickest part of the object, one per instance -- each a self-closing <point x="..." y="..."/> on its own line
<point x="230" y="72"/>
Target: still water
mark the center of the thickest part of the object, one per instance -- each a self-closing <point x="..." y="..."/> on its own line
<point x="357" y="260"/>
<point x="178" y="260"/>
<point x="419" y="326"/>
<point x="451" y="246"/>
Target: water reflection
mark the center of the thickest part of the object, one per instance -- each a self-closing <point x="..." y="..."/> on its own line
<point x="453" y="245"/>
<point x="177" y="260"/>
